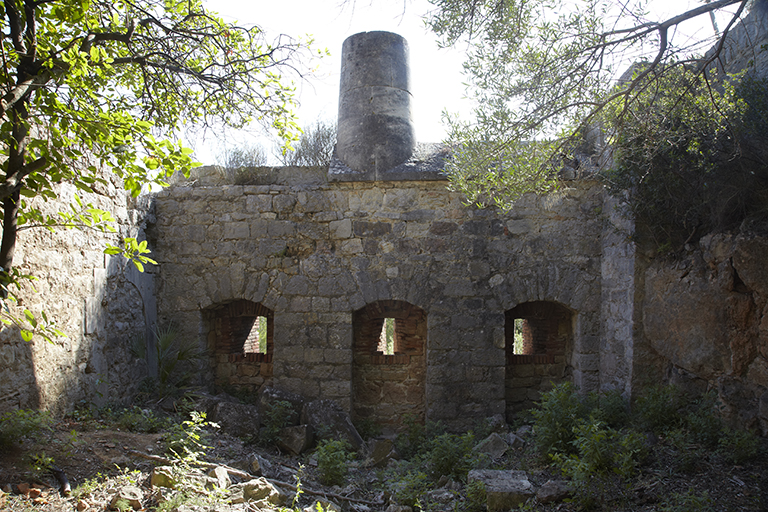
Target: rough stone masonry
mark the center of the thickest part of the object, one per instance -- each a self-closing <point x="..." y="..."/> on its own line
<point x="488" y="309"/>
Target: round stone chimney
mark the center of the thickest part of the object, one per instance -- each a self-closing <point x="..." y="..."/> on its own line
<point x="375" y="130"/>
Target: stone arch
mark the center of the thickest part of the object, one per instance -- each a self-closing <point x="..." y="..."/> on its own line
<point x="538" y="344"/>
<point x="240" y="349"/>
<point x="386" y="387"/>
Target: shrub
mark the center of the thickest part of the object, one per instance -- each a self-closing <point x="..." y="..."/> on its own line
<point x="332" y="457"/>
<point x="659" y="409"/>
<point x="476" y="496"/>
<point x="555" y="419"/>
<point x="278" y="415"/>
<point x="177" y="360"/>
<point x="188" y="440"/>
<point x="22" y="423"/>
<point x="739" y="446"/>
<point x="410" y="487"/>
<point x="604" y="458"/>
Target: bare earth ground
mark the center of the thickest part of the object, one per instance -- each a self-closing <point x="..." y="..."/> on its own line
<point x="99" y="451"/>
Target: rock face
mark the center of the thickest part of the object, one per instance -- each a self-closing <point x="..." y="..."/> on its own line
<point x="704" y="318"/>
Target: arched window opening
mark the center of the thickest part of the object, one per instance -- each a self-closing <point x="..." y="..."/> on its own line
<point x="389" y="362"/>
<point x="240" y="340"/>
<point x="538" y="339"/>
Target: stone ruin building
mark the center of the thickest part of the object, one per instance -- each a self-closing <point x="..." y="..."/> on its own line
<point x="321" y="259"/>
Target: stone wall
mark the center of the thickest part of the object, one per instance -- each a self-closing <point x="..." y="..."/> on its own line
<point x="316" y="251"/>
<point x="100" y="302"/>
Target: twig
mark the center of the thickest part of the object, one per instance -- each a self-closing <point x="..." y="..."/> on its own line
<point x="65" y="488"/>
<point x="9" y="395"/>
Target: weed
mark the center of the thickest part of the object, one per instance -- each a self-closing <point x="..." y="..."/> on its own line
<point x="409" y="488"/>
<point x="136" y="419"/>
<point x="176" y="358"/>
<point x="611" y="408"/>
<point x="332" y="458"/>
<point x="452" y="455"/>
<point x="739" y="446"/>
<point x="689" y="501"/>
<point x="368" y="428"/>
<point x="604" y="458"/>
<point x="20" y="423"/>
<point x="414" y="438"/>
<point x="556" y="417"/>
<point x="702" y="424"/>
<point x="476" y="496"/>
<point x="279" y="414"/>
<point x="187" y="441"/>
<point x="659" y="409"/>
<point x="40" y="463"/>
<point x="88" y="487"/>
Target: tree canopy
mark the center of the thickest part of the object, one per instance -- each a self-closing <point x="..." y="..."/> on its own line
<point x="544" y="73"/>
<point x="90" y="86"/>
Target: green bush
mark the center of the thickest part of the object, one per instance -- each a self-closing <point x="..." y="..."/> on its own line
<point x="556" y="417"/>
<point x="278" y="415"/>
<point x="22" y="423"/>
<point x="704" y="426"/>
<point x="414" y="438"/>
<point x="739" y="446"/>
<point x="332" y="458"/>
<point x="604" y="458"/>
<point x="611" y="408"/>
<point x="451" y="455"/>
<point x="658" y="409"/>
<point x="408" y="488"/>
<point x="177" y="361"/>
<point x="188" y="440"/>
<point x="476" y="496"/>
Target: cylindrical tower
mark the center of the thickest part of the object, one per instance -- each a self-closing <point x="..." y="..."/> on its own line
<point x="375" y="131"/>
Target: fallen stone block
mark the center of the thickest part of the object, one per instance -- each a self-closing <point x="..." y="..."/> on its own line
<point x="553" y="491"/>
<point x="493" y="445"/>
<point x="127" y="494"/>
<point x="504" y="490"/>
<point x="296" y="440"/>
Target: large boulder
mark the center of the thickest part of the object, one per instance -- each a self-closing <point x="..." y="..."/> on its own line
<point x="328" y="418"/>
<point x="263" y="493"/>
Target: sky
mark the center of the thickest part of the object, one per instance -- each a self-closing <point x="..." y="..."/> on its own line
<point x="436" y="78"/>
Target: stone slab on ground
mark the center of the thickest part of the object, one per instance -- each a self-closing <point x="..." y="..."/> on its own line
<point x="504" y="489"/>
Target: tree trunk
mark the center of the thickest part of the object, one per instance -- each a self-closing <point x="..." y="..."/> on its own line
<point x="10" y="228"/>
